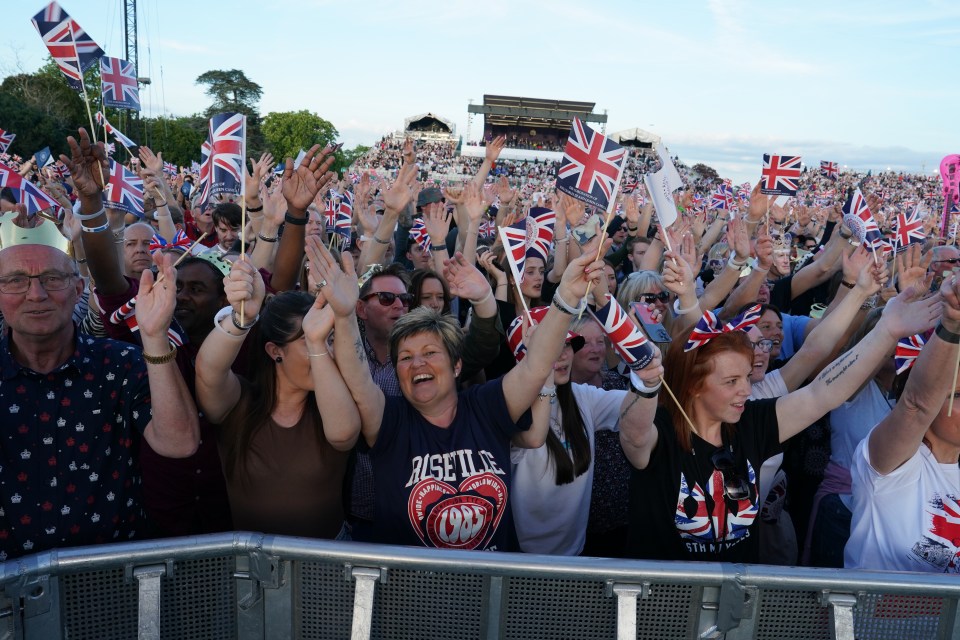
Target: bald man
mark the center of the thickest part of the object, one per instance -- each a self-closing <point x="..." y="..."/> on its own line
<point x="136" y="249"/>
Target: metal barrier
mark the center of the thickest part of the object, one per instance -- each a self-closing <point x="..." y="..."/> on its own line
<point x="244" y="586"/>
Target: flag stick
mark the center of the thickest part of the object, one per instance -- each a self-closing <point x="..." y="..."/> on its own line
<point x="956" y="369"/>
<point x="243" y="198"/>
<point x="86" y="100"/>
<point x="185" y="255"/>
<point x="672" y="396"/>
<point x="611" y="207"/>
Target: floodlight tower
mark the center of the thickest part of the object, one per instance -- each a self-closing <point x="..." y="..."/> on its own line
<point x="130" y="33"/>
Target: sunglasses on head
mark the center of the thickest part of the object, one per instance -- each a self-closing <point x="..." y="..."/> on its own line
<point x="649" y="298"/>
<point x="387" y="298"/>
<point x="735" y="487"/>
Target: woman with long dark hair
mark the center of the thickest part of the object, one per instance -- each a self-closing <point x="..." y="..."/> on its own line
<point x="285" y="431"/>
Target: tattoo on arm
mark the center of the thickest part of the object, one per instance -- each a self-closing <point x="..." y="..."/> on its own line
<point x="836" y="363"/>
<point x="626" y="409"/>
<point x="828" y="380"/>
<point x="361" y="352"/>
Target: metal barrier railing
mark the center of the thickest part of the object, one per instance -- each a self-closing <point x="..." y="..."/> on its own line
<point x="245" y="585"/>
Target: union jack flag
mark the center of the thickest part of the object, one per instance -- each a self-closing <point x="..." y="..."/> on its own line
<point x="515" y="331"/>
<point x="829" y="169"/>
<point x="6" y="139"/>
<point x="228" y="150"/>
<point x="633" y="347"/>
<point x="110" y="148"/>
<point x="629" y="186"/>
<point x="908" y="349"/>
<point x="179" y="240"/>
<point x="330" y="215"/>
<point x="355" y="178"/>
<point x="709" y="327"/>
<point x="514" y="240"/>
<point x="698" y="202"/>
<point x="780" y="175"/>
<point x="119" y="84"/>
<point x="857" y="217"/>
<point x="722" y="198"/>
<point x="127" y="314"/>
<point x="592" y="166"/>
<point x="124" y="190"/>
<point x="419" y="234"/>
<point x="344" y="218"/>
<point x="60" y="170"/>
<point x="68" y="44"/>
<point x="909" y="229"/>
<point x="539" y="226"/>
<point x="170" y="169"/>
<point x="488" y="228"/>
<point x="25" y="191"/>
<point x="695" y="521"/>
<point x="131" y="146"/>
<point x="205" y="171"/>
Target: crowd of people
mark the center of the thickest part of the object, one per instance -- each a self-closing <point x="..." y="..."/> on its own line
<point x="407" y="382"/>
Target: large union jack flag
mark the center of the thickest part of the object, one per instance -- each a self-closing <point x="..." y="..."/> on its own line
<point x="419" y="234"/>
<point x="780" y="175"/>
<point x="857" y="217"/>
<point x="909" y="229"/>
<point x="119" y="83"/>
<point x="204" y="172"/>
<point x="908" y="350"/>
<point x="228" y="150"/>
<point x="829" y="169"/>
<point x="6" y="139"/>
<point x="25" y="191"/>
<point x="592" y="166"/>
<point x="633" y="347"/>
<point x="488" y="228"/>
<point x="67" y="43"/>
<point x="124" y="190"/>
<point x="131" y="146"/>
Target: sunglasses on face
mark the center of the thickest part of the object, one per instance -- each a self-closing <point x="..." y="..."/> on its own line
<point x="950" y="260"/>
<point x="387" y="298"/>
<point x="735" y="487"/>
<point x="649" y="298"/>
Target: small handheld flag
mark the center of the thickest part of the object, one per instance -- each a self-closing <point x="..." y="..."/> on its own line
<point x="592" y="166"/>
<point x="780" y="175"/>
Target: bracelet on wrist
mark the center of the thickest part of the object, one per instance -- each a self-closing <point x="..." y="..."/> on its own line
<point x="379" y="241"/>
<point x="300" y="222"/>
<point x="235" y="316"/>
<point x="219" y="317"/>
<point x="638" y="387"/>
<point x="255" y="209"/>
<point x="560" y="304"/>
<point x="266" y="239"/>
<point x="438" y="248"/>
<point x="81" y="261"/>
<point x="83" y="217"/>
<point x="848" y="285"/>
<point x="690" y="309"/>
<point x="103" y="227"/>
<point x="946" y="335"/>
<point x="732" y="262"/>
<point x="483" y="299"/>
<point x="164" y="359"/>
<point x="318" y="355"/>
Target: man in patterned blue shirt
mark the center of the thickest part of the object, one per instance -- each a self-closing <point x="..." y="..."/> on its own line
<point x="75" y="407"/>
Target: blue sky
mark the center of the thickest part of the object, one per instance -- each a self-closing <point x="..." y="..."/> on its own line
<point x="867" y="84"/>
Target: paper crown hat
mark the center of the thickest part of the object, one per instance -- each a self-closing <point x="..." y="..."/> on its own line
<point x="45" y="233"/>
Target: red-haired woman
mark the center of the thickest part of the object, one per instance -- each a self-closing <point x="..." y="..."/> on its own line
<point x="693" y="494"/>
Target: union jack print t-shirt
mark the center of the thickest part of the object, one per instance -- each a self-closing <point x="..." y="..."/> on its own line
<point x="679" y="509"/>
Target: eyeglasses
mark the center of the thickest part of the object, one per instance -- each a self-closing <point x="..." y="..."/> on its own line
<point x="387" y="298"/>
<point x="764" y="345"/>
<point x="50" y="281"/>
<point x="649" y="298"/>
<point x="735" y="487"/>
<point x="950" y="260"/>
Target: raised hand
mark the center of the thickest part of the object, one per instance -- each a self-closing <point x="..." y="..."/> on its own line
<point x="678" y="276"/>
<point x="488" y="260"/>
<point x="403" y="190"/>
<point x="472" y="199"/>
<point x="738" y="239"/>
<point x="506" y="194"/>
<point x="244" y="286"/>
<point x="157" y="298"/>
<point x="301" y="186"/>
<point x="88" y="165"/>
<point x="436" y="220"/>
<point x="912" y="265"/>
<point x="764" y="249"/>
<point x="859" y="268"/>
<point x="950" y="294"/>
<point x="408" y="154"/>
<point x="258" y="169"/>
<point x="758" y="203"/>
<point x="152" y="162"/>
<point x="454" y="195"/>
<point x="913" y="311"/>
<point x="339" y="286"/>
<point x="318" y="323"/>
<point x="464" y="279"/>
<point x="494" y="148"/>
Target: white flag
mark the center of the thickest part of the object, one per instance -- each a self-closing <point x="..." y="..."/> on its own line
<point x="299" y="159"/>
<point x="660" y="187"/>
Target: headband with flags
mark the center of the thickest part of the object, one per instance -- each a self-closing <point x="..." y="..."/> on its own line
<point x="633" y="347"/>
<point x="908" y="349"/>
<point x="709" y="327"/>
<point x="419" y="234"/>
<point x="179" y="240"/>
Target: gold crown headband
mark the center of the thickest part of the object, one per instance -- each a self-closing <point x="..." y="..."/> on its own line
<point x="45" y="233"/>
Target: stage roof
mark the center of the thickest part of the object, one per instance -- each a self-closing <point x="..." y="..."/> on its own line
<point x="518" y="111"/>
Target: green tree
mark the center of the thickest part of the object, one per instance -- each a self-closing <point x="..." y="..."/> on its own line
<point x="346" y="158"/>
<point x="178" y="138"/>
<point x="705" y="171"/>
<point x="286" y="132"/>
<point x="232" y="91"/>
